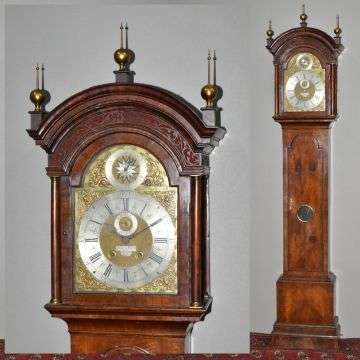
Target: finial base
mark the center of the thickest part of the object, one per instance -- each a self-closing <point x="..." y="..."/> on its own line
<point x="338" y="40"/>
<point x="36" y="118"/>
<point x="211" y="116"/>
<point x="269" y="41"/>
<point x="303" y="24"/>
<point x="124" y="76"/>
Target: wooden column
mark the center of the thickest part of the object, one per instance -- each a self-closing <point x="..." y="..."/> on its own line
<point x="55" y="241"/>
<point x="197" y="239"/>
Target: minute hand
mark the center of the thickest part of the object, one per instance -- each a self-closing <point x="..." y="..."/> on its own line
<point x="152" y="224"/>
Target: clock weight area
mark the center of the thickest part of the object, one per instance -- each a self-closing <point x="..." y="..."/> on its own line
<point x="306" y="317"/>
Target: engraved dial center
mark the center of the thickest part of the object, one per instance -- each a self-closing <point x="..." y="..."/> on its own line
<point x="131" y="237"/>
<point x="304" y="90"/>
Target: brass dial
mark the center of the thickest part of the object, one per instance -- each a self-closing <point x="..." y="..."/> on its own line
<point x="304" y="84"/>
<point x="126" y="239"/>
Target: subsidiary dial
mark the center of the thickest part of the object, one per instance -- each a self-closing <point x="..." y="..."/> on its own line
<point x="125" y="169"/>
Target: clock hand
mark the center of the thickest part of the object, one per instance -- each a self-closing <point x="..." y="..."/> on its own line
<point x="152" y="224"/>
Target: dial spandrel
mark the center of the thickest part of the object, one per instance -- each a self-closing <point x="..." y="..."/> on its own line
<point x="304" y="88"/>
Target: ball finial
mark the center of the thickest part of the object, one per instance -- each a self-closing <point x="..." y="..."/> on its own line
<point x="270" y="31"/>
<point x="123" y="56"/>
<point x="337" y="29"/>
<point x="209" y="93"/>
<point x="37" y="96"/>
<point x="303" y="16"/>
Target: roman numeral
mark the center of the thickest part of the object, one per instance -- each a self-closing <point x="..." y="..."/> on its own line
<point x="156" y="258"/>
<point x="95" y="257"/>
<point x="126" y="276"/>
<point x="96" y="222"/>
<point x="108" y="270"/>
<point x="146" y="274"/>
<point x="91" y="240"/>
<point x="161" y="240"/>
<point x="156" y="222"/>
<point x="141" y="212"/>
<point x="126" y="204"/>
<point x="108" y="208"/>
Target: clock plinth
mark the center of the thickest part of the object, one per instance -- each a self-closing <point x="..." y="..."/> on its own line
<point x="305" y="61"/>
<point x="118" y="337"/>
<point x="129" y="330"/>
<point x="309" y="323"/>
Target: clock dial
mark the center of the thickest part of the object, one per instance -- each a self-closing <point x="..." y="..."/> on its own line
<point x="126" y="239"/>
<point x="304" y="88"/>
<point x="126" y="215"/>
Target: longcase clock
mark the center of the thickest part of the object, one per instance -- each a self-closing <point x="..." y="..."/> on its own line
<point x="129" y="168"/>
<point x="305" y="61"/>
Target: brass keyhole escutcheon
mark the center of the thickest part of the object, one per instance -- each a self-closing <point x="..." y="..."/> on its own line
<point x="305" y="213"/>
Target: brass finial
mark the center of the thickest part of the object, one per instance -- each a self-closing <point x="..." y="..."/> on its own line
<point x="121" y="35"/>
<point x="209" y="66"/>
<point x="124" y="57"/>
<point x="214" y="75"/>
<point x="337" y="29"/>
<point x="270" y="32"/>
<point x="45" y="92"/>
<point x="37" y="96"/>
<point x="126" y="36"/>
<point x="42" y="77"/>
<point x="209" y="92"/>
<point x="303" y="16"/>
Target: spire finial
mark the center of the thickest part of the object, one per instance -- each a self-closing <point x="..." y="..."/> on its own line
<point x="209" y="92"/>
<point x="126" y="35"/>
<point x="37" y="96"/>
<point x="37" y="76"/>
<point x="42" y="77"/>
<point x="124" y="57"/>
<point x="209" y="67"/>
<point x="121" y="36"/>
<point x="303" y="17"/>
<point x="337" y="29"/>
<point x="270" y="32"/>
<point x="214" y="69"/>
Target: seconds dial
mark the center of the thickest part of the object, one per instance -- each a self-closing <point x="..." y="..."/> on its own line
<point x="126" y="239"/>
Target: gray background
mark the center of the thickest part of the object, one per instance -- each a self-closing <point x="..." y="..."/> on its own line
<point x="171" y="41"/>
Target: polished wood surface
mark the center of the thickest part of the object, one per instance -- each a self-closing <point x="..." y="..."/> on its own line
<point x="55" y="240"/>
<point x="173" y="131"/>
<point x="306" y="290"/>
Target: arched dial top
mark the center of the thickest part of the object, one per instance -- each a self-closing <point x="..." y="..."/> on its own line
<point x="125" y="216"/>
<point x="304" y="84"/>
<point x="108" y="109"/>
<point x="305" y="61"/>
